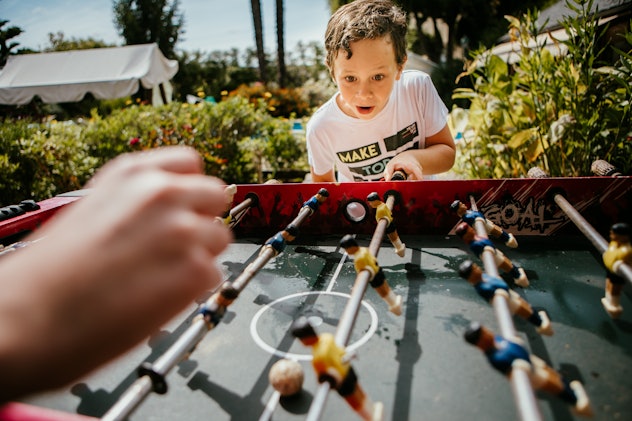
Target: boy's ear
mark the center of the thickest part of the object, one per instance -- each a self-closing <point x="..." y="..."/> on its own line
<point x="401" y="68"/>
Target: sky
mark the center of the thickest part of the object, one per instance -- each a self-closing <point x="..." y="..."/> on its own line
<point x="210" y="25"/>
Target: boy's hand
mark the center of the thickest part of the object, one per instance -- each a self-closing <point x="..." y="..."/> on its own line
<point x="406" y="163"/>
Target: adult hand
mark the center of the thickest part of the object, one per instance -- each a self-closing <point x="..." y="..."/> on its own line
<point x="110" y="269"/>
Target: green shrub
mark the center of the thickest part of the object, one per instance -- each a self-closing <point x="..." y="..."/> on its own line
<point x="15" y="173"/>
<point x="279" y="102"/>
<point x="559" y="113"/>
<point x="40" y="160"/>
<point x="223" y="133"/>
<point x="235" y="138"/>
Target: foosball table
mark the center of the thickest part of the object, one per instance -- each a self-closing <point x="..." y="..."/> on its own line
<point x="407" y="346"/>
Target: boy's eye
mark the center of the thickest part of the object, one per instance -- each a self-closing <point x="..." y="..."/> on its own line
<point x="378" y="77"/>
<point x="350" y="78"/>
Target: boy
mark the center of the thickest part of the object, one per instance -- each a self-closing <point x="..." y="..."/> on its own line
<point x="382" y="118"/>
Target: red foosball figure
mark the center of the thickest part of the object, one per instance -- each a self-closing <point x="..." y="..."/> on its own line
<point x="619" y="251"/>
<point x="383" y="212"/>
<point x="363" y="259"/>
<point x="331" y="366"/>
<point x="507" y="354"/>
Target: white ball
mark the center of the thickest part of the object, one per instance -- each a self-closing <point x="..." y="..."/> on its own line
<point x="286" y="376"/>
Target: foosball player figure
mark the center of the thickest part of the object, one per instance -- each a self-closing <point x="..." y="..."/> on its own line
<point x="479" y="244"/>
<point x="315" y="201"/>
<point x="229" y="191"/>
<point x="488" y="287"/>
<point x="469" y="216"/>
<point x="506" y="354"/>
<point x="383" y="212"/>
<point x="213" y="310"/>
<point x="619" y="251"/>
<point x="332" y="366"/>
<point x="278" y="241"/>
<point x="363" y="259"/>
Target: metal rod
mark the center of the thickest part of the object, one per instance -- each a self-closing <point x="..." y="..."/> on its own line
<point x="213" y="309"/>
<point x="591" y="234"/>
<point x="624" y="270"/>
<point x="524" y="395"/>
<point x="318" y="403"/>
<point x="245" y="204"/>
<point x="350" y="312"/>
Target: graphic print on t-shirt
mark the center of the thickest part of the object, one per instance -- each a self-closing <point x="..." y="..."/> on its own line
<point x="368" y="152"/>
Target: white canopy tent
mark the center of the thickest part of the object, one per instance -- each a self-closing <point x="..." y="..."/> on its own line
<point x="67" y="76"/>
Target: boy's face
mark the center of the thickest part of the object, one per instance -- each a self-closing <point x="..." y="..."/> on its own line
<point x="366" y="79"/>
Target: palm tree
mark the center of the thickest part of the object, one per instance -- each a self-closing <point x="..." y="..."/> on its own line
<point x="5" y="45"/>
<point x="280" y="44"/>
<point x="261" y="55"/>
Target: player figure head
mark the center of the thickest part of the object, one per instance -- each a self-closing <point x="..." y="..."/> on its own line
<point x="366" y="51"/>
<point x="479" y="336"/>
<point x="458" y="207"/>
<point x="350" y="244"/>
<point x="620" y="233"/>
<point x="322" y="195"/>
<point x="374" y="200"/>
<point x="303" y="330"/>
<point x="471" y="272"/>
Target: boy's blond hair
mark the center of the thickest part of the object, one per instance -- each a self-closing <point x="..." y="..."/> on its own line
<point x="365" y="19"/>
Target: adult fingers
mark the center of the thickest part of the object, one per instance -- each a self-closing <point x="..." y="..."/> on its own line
<point x="176" y="159"/>
<point x="203" y="194"/>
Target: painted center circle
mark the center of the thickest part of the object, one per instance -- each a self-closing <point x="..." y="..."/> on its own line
<point x="271" y="324"/>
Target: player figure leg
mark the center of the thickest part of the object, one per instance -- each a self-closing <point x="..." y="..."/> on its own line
<point x="393" y="236"/>
<point x="611" y="300"/>
<point x="355" y="396"/>
<point x="497" y="232"/>
<point x="549" y="380"/>
<point x="517" y="273"/>
<point x="523" y="309"/>
<point x="382" y="287"/>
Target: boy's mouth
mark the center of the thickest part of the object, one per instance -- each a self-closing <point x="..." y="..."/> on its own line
<point x="364" y="110"/>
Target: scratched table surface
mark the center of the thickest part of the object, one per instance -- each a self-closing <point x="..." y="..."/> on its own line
<point x="417" y="364"/>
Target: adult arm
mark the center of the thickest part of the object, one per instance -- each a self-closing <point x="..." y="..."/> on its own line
<point x="109" y="269"/>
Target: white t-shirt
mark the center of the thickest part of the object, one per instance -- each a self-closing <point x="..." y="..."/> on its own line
<point x="360" y="149"/>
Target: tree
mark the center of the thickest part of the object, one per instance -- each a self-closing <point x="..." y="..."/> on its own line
<point x="5" y="36"/>
<point x="281" y="44"/>
<point x="258" y="25"/>
<point x="465" y="23"/>
<point x="58" y="42"/>
<point x="147" y="21"/>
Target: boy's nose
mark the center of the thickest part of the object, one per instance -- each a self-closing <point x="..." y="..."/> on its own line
<point x="364" y="90"/>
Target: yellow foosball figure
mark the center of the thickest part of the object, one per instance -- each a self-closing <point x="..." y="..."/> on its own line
<point x="363" y="259"/>
<point x="331" y="366"/>
<point x="619" y="251"/>
<point x="383" y="212"/>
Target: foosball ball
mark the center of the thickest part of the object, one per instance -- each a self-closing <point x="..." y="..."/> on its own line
<point x="369" y="301"/>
